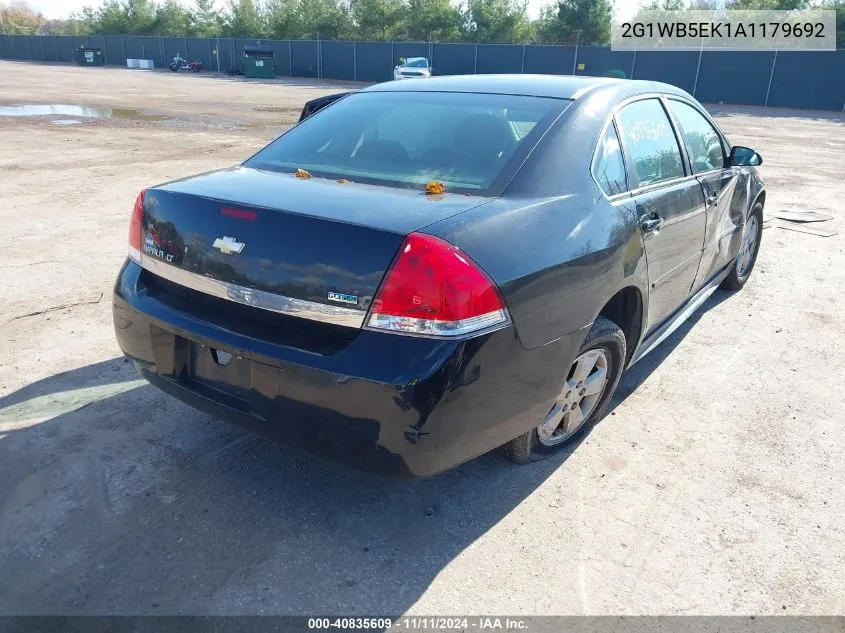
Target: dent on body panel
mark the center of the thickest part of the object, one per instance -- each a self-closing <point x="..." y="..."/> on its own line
<point x="730" y="228"/>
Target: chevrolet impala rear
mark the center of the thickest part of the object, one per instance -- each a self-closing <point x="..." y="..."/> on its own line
<point x="307" y="295"/>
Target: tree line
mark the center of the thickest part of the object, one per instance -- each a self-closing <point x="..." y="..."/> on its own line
<point x="479" y="21"/>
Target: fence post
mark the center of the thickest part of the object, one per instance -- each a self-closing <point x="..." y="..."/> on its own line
<point x="143" y="49"/>
<point x="524" y="48"/>
<point x="771" y="76"/>
<point x="354" y="61"/>
<point x="475" y="62"/>
<point x="575" y="61"/>
<point x="43" y="52"/>
<point x="698" y="68"/>
<point x="123" y="43"/>
<point x="392" y="54"/>
<point x="634" y="61"/>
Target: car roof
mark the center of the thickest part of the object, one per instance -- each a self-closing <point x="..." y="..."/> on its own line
<point x="557" y="86"/>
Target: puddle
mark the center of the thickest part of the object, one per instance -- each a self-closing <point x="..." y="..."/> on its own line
<point x="66" y="121"/>
<point x="86" y="112"/>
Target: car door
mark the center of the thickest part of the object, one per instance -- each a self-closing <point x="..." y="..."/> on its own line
<point x="708" y="160"/>
<point x="669" y="202"/>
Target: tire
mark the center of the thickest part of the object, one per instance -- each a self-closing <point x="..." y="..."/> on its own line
<point x="174" y="68"/>
<point x="741" y="270"/>
<point x="604" y="337"/>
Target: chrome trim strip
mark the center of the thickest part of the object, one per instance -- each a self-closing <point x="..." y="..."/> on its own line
<point x="347" y="317"/>
<point x="694" y="303"/>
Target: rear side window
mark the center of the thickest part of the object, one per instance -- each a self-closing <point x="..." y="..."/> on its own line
<point x="466" y="141"/>
<point x="609" y="166"/>
<point x="702" y="141"/>
<point x="650" y="142"/>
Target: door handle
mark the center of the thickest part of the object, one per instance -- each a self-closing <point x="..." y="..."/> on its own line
<point x="651" y="223"/>
<point x="712" y="199"/>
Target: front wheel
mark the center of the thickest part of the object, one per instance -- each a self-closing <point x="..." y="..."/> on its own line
<point x="587" y="389"/>
<point x="174" y="68"/>
<point x="747" y="256"/>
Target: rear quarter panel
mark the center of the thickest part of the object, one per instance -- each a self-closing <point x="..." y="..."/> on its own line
<point x="556" y="261"/>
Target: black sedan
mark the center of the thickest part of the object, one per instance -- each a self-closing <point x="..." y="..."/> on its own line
<point x="424" y="271"/>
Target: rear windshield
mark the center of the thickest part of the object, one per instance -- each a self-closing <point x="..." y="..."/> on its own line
<point x="468" y="142"/>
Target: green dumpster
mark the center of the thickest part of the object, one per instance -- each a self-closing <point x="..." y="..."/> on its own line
<point x="87" y="56"/>
<point x="259" y="62"/>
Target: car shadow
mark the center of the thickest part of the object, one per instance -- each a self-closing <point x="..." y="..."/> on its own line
<point x="138" y="504"/>
<point x="108" y="372"/>
<point x="641" y="370"/>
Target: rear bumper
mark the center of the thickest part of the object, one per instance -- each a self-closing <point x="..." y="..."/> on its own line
<point x="385" y="403"/>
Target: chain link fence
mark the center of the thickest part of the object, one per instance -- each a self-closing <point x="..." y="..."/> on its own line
<point x="790" y="79"/>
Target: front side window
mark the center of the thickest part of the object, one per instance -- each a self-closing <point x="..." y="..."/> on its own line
<point x="702" y="141"/>
<point x="609" y="166"/>
<point x="406" y="139"/>
<point x="650" y="142"/>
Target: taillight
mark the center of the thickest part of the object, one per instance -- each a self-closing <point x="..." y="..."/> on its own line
<point x="434" y="289"/>
<point x="135" y="228"/>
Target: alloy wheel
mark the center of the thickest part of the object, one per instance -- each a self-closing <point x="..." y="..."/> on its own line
<point x="749" y="245"/>
<point x="581" y="394"/>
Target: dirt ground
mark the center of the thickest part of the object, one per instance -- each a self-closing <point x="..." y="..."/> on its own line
<point x="713" y="487"/>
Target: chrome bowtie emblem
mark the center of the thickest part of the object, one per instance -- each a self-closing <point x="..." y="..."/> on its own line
<point x="228" y="245"/>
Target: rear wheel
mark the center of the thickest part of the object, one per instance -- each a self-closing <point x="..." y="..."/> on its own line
<point x="588" y="387"/>
<point x="747" y="256"/>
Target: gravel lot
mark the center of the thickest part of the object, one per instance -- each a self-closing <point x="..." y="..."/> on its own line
<point x="715" y="486"/>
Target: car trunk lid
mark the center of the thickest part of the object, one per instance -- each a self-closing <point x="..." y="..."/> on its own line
<point x="310" y="240"/>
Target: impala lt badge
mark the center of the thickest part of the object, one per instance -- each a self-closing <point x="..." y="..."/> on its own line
<point x="228" y="245"/>
<point x="343" y="298"/>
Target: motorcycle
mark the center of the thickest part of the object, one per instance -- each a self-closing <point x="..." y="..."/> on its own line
<point x="180" y="63"/>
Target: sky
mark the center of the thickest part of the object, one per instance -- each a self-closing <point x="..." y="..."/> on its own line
<point x="53" y="9"/>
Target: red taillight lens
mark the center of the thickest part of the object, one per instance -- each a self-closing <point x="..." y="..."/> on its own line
<point x="434" y="289"/>
<point x="135" y="228"/>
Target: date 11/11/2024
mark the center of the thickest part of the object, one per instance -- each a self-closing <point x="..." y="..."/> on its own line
<point x="480" y="623"/>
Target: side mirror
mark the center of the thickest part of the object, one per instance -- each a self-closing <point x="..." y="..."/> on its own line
<point x="744" y="157"/>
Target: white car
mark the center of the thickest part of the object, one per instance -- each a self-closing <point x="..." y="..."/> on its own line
<point x="413" y="68"/>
